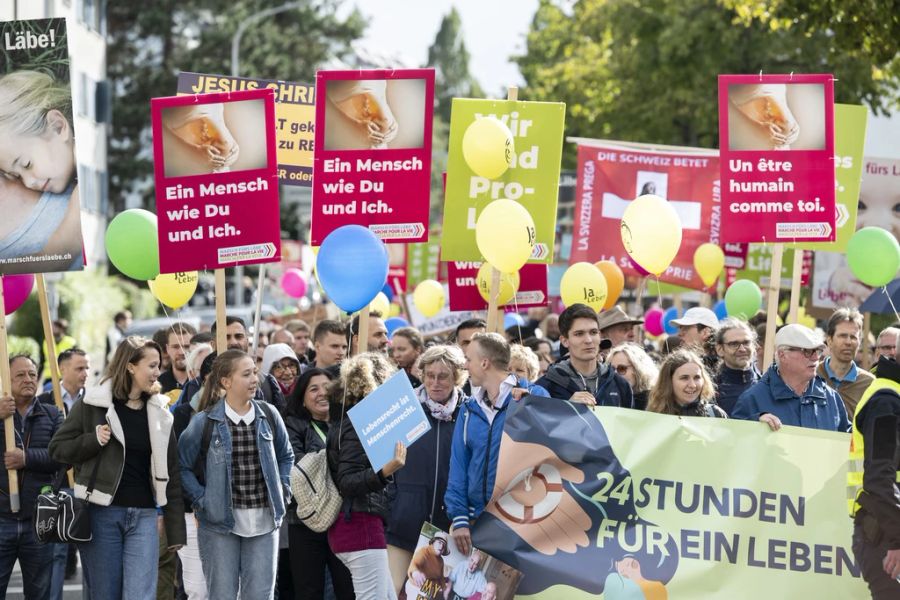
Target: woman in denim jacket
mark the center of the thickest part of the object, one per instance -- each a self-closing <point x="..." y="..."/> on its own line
<point x="241" y="500"/>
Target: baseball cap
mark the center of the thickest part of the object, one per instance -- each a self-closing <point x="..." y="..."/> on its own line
<point x="798" y="336"/>
<point x="697" y="316"/>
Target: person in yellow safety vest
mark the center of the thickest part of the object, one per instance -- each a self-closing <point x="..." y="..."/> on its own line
<point x="873" y="482"/>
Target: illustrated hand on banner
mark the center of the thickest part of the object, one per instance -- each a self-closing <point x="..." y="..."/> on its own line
<point x="533" y="502"/>
<point x="651" y="233"/>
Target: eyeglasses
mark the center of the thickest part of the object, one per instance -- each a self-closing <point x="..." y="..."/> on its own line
<point x="738" y="344"/>
<point x="439" y="377"/>
<point x="285" y="367"/>
<point x="807" y="352"/>
<point x="622" y="369"/>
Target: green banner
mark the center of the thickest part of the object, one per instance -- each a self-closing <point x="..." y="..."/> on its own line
<point x="849" y="140"/>
<point x="636" y="505"/>
<point x="422" y="261"/>
<point x="532" y="179"/>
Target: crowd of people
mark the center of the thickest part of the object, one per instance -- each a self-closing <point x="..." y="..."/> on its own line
<point x="184" y="450"/>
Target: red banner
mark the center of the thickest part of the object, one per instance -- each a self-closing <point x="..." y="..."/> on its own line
<point x="464" y="293"/>
<point x="610" y="177"/>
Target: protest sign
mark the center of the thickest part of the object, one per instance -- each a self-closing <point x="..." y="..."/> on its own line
<point x="373" y="153"/>
<point x="216" y="180"/>
<point x="438" y="567"/>
<point x="531" y="180"/>
<point x="610" y="176"/>
<point x="624" y="501"/>
<point x="464" y="294"/>
<point x="422" y="262"/>
<point x="834" y="284"/>
<point x="776" y="147"/>
<point x="40" y="189"/>
<point x="390" y="414"/>
<point x="294" y="118"/>
<point x="758" y="267"/>
<point x="444" y="321"/>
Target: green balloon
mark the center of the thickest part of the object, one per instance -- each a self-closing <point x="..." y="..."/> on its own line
<point x="743" y="299"/>
<point x="874" y="256"/>
<point x="132" y="244"/>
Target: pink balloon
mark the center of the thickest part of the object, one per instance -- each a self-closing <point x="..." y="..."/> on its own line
<point x="293" y="282"/>
<point x="15" y="290"/>
<point x="653" y="321"/>
<point x="644" y="272"/>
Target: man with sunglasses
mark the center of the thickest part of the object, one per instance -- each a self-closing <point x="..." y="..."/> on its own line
<point x="736" y="347"/>
<point x="790" y="392"/>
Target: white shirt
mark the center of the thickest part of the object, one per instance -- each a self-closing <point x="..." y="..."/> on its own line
<point x="505" y="387"/>
<point x="249" y="522"/>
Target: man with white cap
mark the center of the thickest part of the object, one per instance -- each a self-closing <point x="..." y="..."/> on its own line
<point x="696" y="328"/>
<point x="790" y="392"/>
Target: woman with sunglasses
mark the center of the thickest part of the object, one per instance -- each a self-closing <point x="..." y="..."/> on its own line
<point x="684" y="388"/>
<point x="631" y="362"/>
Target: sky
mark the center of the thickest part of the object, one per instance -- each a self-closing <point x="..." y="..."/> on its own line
<point x="493" y="31"/>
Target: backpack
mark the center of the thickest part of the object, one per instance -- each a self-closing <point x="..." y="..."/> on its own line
<point x="318" y="500"/>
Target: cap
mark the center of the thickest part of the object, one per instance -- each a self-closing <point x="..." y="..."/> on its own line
<point x="798" y="336"/>
<point x="440" y="535"/>
<point x="697" y="316"/>
<point x="615" y="316"/>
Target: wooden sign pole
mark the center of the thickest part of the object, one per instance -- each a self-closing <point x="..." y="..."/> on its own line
<point x="866" y="349"/>
<point x="256" y="317"/>
<point x="362" y="344"/>
<point x="796" y="273"/>
<point x="772" y="308"/>
<point x="221" y="338"/>
<point x="8" y="424"/>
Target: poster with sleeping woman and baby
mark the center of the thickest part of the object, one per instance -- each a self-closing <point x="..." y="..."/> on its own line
<point x="41" y="226"/>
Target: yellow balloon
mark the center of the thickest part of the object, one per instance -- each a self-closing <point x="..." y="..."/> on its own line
<point x="174" y="289"/>
<point x="509" y="285"/>
<point x="380" y="304"/>
<point x="709" y="260"/>
<point x="583" y="283"/>
<point x="651" y="233"/>
<point x="504" y="234"/>
<point x="487" y="147"/>
<point x="394" y="310"/>
<point x="429" y="297"/>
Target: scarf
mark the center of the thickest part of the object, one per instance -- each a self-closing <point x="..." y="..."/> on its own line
<point x="287" y="390"/>
<point x="441" y="412"/>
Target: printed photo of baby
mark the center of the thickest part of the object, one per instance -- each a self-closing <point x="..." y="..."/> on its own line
<point x="776" y="116"/>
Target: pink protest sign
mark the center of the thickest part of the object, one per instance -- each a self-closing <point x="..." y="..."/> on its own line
<point x="216" y="180"/>
<point x="464" y="293"/>
<point x="776" y="139"/>
<point x="372" y="163"/>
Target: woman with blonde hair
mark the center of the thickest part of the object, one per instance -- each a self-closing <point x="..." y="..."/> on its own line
<point x="634" y="364"/>
<point x="120" y="441"/>
<point x="357" y="537"/>
<point x="684" y="388"/>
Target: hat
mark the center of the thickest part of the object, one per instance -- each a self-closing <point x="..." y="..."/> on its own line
<point x="697" y="316"/>
<point x="798" y="336"/>
<point x="440" y="535"/>
<point x="615" y="316"/>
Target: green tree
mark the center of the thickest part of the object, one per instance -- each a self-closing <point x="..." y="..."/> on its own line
<point x="450" y="59"/>
<point x="646" y="70"/>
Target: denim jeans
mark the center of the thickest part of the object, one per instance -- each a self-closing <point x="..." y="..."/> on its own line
<point x="371" y="574"/>
<point x="120" y="561"/>
<point x="18" y="541"/>
<point x="233" y="564"/>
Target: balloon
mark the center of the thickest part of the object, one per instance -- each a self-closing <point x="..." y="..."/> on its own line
<point x="512" y="320"/>
<point x="394" y="310"/>
<point x="874" y="256"/>
<point x="380" y="304"/>
<point x="429" y="297"/>
<point x="651" y="233"/>
<point x="395" y="323"/>
<point x="293" y="282"/>
<point x="16" y="289"/>
<point x="615" y="281"/>
<point x="509" y="285"/>
<point x="653" y="321"/>
<point x="504" y="234"/>
<point x="720" y="310"/>
<point x="667" y="317"/>
<point x="743" y="299"/>
<point x="388" y="291"/>
<point x="709" y="260"/>
<point x="352" y="266"/>
<point x="487" y="147"/>
<point x="174" y="289"/>
<point x="132" y="245"/>
<point x="583" y="283"/>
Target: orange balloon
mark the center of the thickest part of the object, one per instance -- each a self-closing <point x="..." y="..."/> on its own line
<point x="615" y="281"/>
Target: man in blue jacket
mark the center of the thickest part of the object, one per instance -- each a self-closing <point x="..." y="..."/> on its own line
<point x="582" y="377"/>
<point x="790" y="392"/>
<point x="476" y="437"/>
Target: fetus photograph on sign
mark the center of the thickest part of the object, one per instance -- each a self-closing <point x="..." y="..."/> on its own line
<point x="776" y="116"/>
<point x="374" y="114"/>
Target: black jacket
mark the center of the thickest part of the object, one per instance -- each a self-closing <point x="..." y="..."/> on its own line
<point x="40" y="470"/>
<point x="879" y="423"/>
<point x="362" y="488"/>
<point x="304" y="440"/>
<point x="421" y="485"/>
<point x="731" y="383"/>
<point x="612" y="388"/>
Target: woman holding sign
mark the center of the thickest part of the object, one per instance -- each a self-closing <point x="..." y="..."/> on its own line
<point x="357" y="537"/>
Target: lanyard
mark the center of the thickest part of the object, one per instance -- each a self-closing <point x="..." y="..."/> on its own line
<point x="318" y="430"/>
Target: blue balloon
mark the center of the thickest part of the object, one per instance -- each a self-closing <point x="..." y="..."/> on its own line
<point x="512" y="319"/>
<point x="720" y="310"/>
<point x="670" y="314"/>
<point x="388" y="291"/>
<point x="395" y="323"/>
<point x="352" y="266"/>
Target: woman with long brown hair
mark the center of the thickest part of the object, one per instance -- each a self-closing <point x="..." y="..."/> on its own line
<point x="684" y="388"/>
